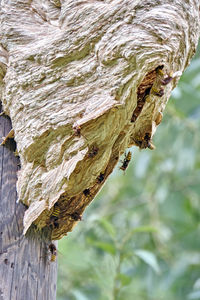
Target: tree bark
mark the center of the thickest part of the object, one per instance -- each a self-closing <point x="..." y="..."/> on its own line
<point x="82" y="81"/>
<point x="25" y="268"/>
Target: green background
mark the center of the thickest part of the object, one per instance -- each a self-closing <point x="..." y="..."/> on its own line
<point x="140" y="238"/>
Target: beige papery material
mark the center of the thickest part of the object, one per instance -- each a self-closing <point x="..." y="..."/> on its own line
<point x="82" y="81"/>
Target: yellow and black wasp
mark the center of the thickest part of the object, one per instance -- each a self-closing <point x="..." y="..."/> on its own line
<point x="55" y="216"/>
<point x="93" y="152"/>
<point x="100" y="178"/>
<point x="145" y="142"/>
<point x="76" y="216"/>
<point x="86" y="192"/>
<point x="126" y="161"/>
<point x="77" y="130"/>
<point x="53" y="252"/>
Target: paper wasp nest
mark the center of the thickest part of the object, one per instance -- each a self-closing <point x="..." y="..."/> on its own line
<point x="84" y="81"/>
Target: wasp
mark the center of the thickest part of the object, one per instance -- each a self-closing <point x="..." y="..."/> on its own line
<point x="53" y="252"/>
<point x="126" y="161"/>
<point x="167" y="80"/>
<point x="86" y="192"/>
<point x="160" y="71"/>
<point x="56" y="211"/>
<point x="100" y="178"/>
<point x="151" y="145"/>
<point x="159" y="92"/>
<point x="77" y="130"/>
<point x="146" y="142"/>
<point x="93" y="152"/>
<point x="76" y="216"/>
<point x="54" y="216"/>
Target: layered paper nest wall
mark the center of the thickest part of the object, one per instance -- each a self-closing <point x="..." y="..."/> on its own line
<point x="82" y="81"/>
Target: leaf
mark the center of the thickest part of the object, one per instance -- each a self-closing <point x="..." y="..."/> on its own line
<point x="108" y="227"/>
<point x="144" y="229"/>
<point x="124" y="279"/>
<point x="149" y="258"/>
<point x="105" y="246"/>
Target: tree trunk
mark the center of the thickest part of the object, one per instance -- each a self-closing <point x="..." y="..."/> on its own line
<point x="25" y="268"/>
<point x="82" y="80"/>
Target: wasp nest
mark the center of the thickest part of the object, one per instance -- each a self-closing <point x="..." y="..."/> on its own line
<point x="84" y="81"/>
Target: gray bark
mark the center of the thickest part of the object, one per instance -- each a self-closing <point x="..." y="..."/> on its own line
<point x="84" y="75"/>
<point x="25" y="268"/>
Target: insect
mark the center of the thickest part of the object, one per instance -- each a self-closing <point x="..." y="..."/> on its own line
<point x="77" y="130"/>
<point x="53" y="252"/>
<point x="158" y="93"/>
<point x="146" y="143"/>
<point x="86" y="192"/>
<point x="126" y="161"/>
<point x="151" y="146"/>
<point x="54" y="216"/>
<point x="93" y="152"/>
<point x="167" y="80"/>
<point x="56" y="211"/>
<point x="100" y="178"/>
<point x="164" y="79"/>
<point x="76" y="216"/>
<point x="159" y="70"/>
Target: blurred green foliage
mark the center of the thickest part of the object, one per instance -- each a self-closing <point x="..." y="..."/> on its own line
<point x="140" y="238"/>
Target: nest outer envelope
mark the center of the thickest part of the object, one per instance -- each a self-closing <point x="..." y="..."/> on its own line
<point x="82" y="75"/>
